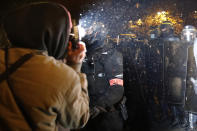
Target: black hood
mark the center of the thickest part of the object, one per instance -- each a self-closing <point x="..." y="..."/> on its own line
<point x="43" y="26"/>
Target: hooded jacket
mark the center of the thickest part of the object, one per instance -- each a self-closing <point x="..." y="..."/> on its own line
<point x="50" y="91"/>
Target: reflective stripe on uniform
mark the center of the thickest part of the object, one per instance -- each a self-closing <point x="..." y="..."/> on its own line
<point x="116" y="81"/>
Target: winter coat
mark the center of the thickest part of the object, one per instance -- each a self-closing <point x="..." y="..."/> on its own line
<point x="50" y="92"/>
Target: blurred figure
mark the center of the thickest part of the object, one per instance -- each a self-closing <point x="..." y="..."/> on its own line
<point x="154" y="63"/>
<point x="38" y="90"/>
<point x="174" y="72"/>
<point x="104" y="69"/>
<point x="166" y="73"/>
<point x="133" y="52"/>
<point x="166" y="29"/>
<point x="188" y="36"/>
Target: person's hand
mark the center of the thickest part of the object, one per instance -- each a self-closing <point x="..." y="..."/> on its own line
<point x="76" y="56"/>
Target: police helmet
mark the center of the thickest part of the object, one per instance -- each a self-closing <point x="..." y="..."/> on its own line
<point x="188" y="34"/>
<point x="166" y="26"/>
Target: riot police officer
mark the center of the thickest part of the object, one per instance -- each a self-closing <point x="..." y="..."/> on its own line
<point x="104" y="70"/>
<point x="166" y="73"/>
<point x="188" y="36"/>
<point x="174" y="67"/>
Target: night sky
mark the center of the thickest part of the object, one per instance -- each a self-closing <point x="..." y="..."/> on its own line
<point x="76" y="6"/>
<point x="114" y="14"/>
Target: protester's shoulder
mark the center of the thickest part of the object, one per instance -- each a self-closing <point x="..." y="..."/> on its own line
<point x="52" y="65"/>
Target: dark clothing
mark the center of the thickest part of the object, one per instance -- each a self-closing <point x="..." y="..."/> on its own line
<point x="103" y="68"/>
<point x="134" y="81"/>
<point x="166" y="71"/>
<point x="100" y="69"/>
<point x="106" y="121"/>
<point x="26" y="29"/>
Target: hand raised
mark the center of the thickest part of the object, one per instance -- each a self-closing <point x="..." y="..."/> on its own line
<point x="76" y="56"/>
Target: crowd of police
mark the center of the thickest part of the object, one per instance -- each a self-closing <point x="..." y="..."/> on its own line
<point x="157" y="81"/>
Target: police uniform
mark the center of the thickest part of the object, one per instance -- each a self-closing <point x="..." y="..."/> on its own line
<point x="104" y="69"/>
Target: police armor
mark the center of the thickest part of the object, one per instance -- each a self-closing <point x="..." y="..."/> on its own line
<point x="104" y="70"/>
<point x="175" y="68"/>
<point x="166" y="68"/>
<point x="133" y="51"/>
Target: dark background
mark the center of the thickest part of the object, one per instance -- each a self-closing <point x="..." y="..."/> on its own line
<point x="78" y="6"/>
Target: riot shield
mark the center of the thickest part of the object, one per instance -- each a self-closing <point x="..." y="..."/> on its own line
<point x="175" y="56"/>
<point x="191" y="92"/>
<point x="166" y="65"/>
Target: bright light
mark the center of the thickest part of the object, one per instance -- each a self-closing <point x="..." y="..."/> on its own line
<point x="82" y="32"/>
<point x="161" y="16"/>
<point x="137" y="5"/>
<point x="139" y="22"/>
<point x="189" y="34"/>
<point x="157" y="18"/>
<point x="131" y="25"/>
<point x="130" y="35"/>
<point x="195" y="50"/>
